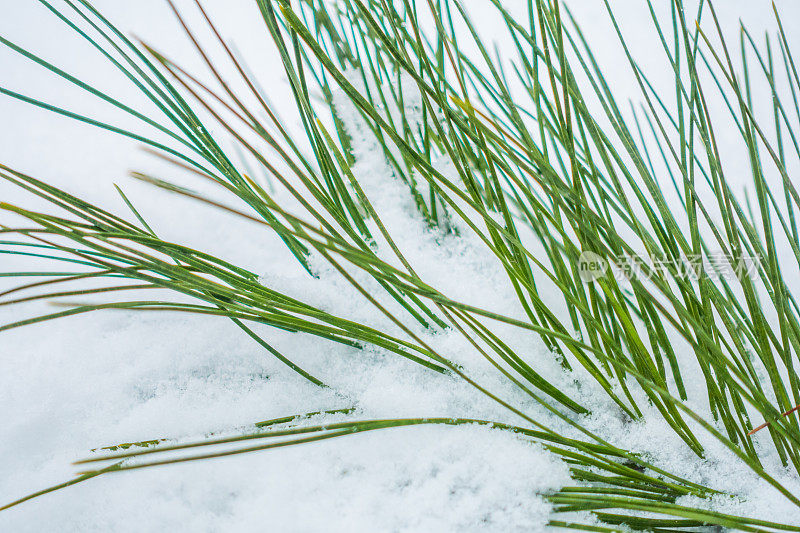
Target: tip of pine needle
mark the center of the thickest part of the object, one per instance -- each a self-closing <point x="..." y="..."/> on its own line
<point x="765" y="424"/>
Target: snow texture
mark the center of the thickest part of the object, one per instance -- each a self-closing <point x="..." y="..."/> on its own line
<point x="71" y="385"/>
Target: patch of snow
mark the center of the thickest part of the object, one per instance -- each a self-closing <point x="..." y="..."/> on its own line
<point x="72" y="385"/>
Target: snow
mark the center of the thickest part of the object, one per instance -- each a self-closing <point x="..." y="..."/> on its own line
<point x="72" y="385"/>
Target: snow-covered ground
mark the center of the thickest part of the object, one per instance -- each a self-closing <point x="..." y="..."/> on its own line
<point x="72" y="385"/>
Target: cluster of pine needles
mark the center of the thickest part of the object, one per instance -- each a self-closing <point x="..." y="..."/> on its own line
<point x="537" y="149"/>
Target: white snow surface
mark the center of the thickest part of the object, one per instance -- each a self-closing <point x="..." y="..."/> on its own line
<point x="75" y="384"/>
